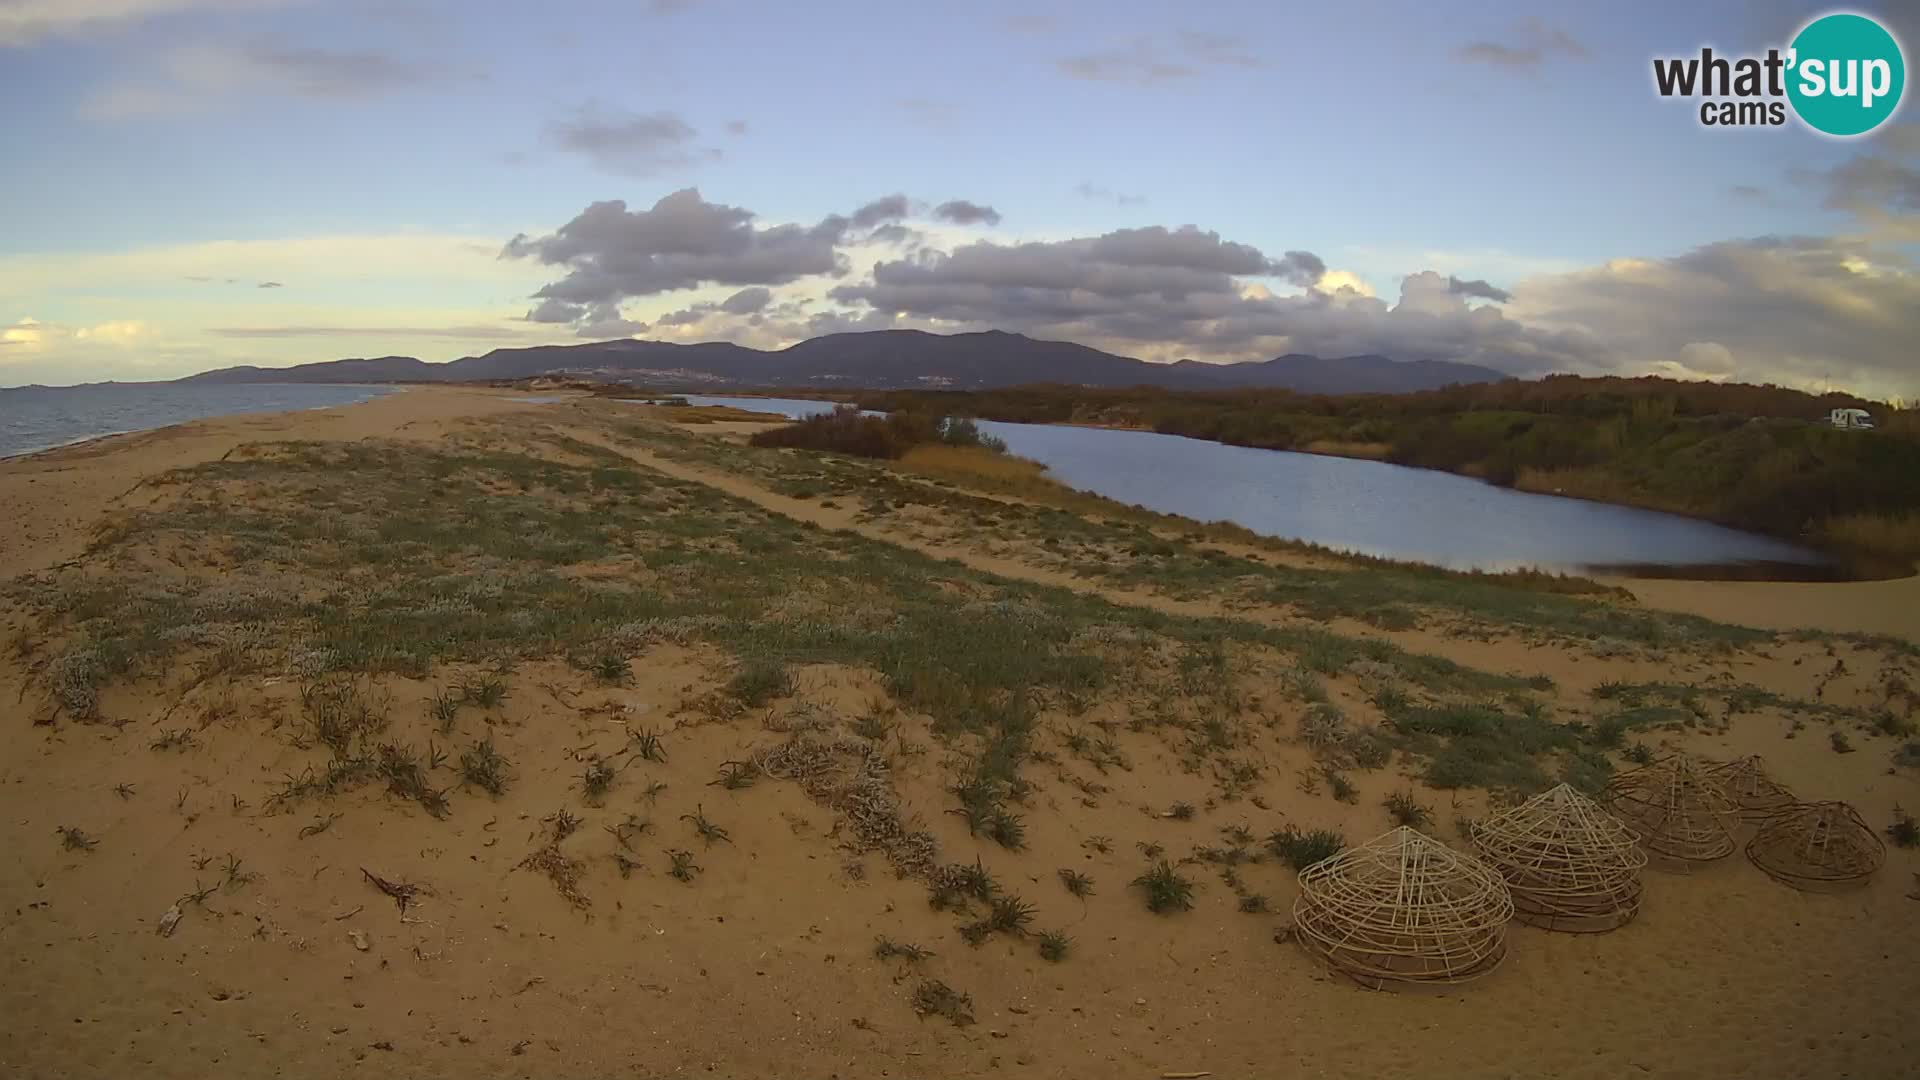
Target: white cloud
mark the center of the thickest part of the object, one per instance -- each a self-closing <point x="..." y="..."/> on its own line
<point x="24" y="22"/>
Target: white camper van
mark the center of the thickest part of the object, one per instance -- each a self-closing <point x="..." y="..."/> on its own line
<point x="1851" y="419"/>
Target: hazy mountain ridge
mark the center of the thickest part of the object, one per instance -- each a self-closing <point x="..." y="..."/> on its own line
<point x="881" y="359"/>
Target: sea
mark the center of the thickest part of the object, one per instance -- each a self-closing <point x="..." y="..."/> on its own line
<point x="36" y="418"/>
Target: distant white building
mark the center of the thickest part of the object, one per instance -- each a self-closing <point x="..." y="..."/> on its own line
<point x="1851" y="419"/>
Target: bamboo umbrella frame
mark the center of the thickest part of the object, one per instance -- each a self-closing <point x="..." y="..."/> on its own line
<point x="1757" y="795"/>
<point x="1816" y="846"/>
<point x="1570" y="865"/>
<point x="1676" y="809"/>
<point x="1404" y="908"/>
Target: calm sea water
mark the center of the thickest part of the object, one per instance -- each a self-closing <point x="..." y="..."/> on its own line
<point x="1363" y="506"/>
<point x="39" y="417"/>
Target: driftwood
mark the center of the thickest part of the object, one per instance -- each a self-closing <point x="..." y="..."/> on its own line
<point x="402" y="892"/>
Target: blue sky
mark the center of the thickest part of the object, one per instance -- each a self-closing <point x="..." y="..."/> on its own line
<point x="372" y="159"/>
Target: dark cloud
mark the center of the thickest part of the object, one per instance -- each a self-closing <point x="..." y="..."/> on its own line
<point x="1747" y="193"/>
<point x="881" y="210"/>
<point x="611" y="254"/>
<point x="1162" y="292"/>
<point x="1879" y="188"/>
<point x="747" y="301"/>
<point x="269" y="285"/>
<point x="622" y="141"/>
<point x="1534" y="43"/>
<point x="1477" y="288"/>
<point x="1872" y="181"/>
<point x="962" y="212"/>
<point x="1792" y="309"/>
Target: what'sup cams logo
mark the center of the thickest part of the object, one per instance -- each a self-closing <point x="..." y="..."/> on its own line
<point x="1842" y="75"/>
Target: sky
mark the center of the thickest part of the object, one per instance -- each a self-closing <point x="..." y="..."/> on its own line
<point x="197" y="183"/>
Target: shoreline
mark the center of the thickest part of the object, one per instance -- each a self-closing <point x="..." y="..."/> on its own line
<point x="1366" y="452"/>
<point x="1838" y="567"/>
<point x="382" y="390"/>
<point x="60" y="492"/>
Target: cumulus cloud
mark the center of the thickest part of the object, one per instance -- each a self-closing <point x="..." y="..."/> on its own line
<point x="611" y="253"/>
<point x="1800" y="310"/>
<point x="747" y="301"/>
<point x="962" y="212"/>
<point x="1794" y="309"/>
<point x="1879" y="188"/>
<point x="1533" y="43"/>
<point x="1477" y="288"/>
<point x="634" y="144"/>
<point x="884" y="209"/>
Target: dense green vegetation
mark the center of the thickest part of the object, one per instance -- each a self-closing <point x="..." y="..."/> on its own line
<point x="1756" y="457"/>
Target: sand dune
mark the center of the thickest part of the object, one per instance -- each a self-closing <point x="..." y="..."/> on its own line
<point x="293" y="962"/>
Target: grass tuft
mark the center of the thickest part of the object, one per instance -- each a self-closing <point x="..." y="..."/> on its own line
<point x="1300" y="849"/>
<point x="1166" y="890"/>
<point x="1905" y="831"/>
<point x="1405" y="810"/>
<point x="482" y="766"/>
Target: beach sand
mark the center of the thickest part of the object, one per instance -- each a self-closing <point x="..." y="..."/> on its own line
<point x="294" y="964"/>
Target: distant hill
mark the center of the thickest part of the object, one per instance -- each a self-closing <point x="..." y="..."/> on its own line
<point x="881" y="360"/>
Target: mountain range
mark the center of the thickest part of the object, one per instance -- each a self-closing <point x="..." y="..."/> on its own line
<point x="879" y="360"/>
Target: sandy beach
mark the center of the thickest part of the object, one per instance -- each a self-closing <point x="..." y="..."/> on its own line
<point x="199" y="740"/>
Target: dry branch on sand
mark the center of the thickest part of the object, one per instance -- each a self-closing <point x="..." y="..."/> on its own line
<point x="850" y="775"/>
<point x="1813" y="846"/>
<point x="1404" y="908"/>
<point x="1569" y="864"/>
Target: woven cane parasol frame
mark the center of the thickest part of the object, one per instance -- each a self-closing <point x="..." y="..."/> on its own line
<point x="1570" y="865"/>
<point x="1817" y="846"/>
<point x="1756" y="795"/>
<point x="1676" y="809"/>
<point x="1404" y="908"/>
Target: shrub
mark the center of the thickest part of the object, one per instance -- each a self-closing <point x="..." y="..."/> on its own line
<point x="1166" y="890"/>
<point x="1302" y="849"/>
<point x="760" y="681"/>
<point x="1405" y="810"/>
<point x="1905" y="831"/>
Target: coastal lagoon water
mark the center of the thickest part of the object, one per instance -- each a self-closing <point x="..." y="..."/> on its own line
<point x="41" y="417"/>
<point x="1367" y="507"/>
